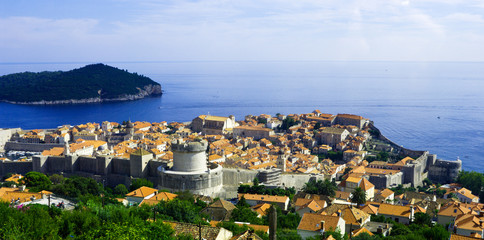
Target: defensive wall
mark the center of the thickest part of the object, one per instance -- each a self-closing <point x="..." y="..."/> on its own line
<point x="425" y="165"/>
<point x="30" y="147"/>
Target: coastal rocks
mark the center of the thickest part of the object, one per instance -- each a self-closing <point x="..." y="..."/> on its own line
<point x="146" y="91"/>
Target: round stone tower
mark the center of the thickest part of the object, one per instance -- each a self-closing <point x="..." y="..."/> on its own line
<point x="190" y="170"/>
<point x="189" y="156"/>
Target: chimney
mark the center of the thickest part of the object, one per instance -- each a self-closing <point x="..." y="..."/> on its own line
<point x="412" y="212"/>
<point x="322" y="225"/>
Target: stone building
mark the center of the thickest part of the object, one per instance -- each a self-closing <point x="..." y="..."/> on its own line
<point x="349" y="119"/>
<point x="255" y="132"/>
<point x="332" y="136"/>
<point x="212" y="125"/>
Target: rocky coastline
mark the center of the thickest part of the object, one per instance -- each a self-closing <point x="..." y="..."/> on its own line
<point x="147" y="91"/>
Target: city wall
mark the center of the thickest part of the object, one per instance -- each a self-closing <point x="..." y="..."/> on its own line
<point x="30" y="147"/>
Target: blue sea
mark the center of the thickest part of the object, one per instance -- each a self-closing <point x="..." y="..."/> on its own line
<point x="434" y="106"/>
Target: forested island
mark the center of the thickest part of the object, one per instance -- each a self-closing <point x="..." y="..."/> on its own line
<point x="90" y="84"/>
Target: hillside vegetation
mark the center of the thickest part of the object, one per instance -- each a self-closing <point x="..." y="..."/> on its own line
<point x="91" y="81"/>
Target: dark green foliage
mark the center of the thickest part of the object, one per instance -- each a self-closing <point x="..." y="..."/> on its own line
<point x="262" y="120"/>
<point x="8" y="175"/>
<point x="91" y="221"/>
<point x="473" y="181"/>
<point x="180" y="211"/>
<point x="79" y="83"/>
<point x="242" y="203"/>
<point x="140" y="182"/>
<point x="400" y="189"/>
<point x="77" y="186"/>
<point x="287" y="123"/>
<point x="120" y="189"/>
<point x="261" y="189"/>
<point x="325" y="187"/>
<point x="289" y="220"/>
<point x="56" y="178"/>
<point x="333" y="155"/>
<point x="245" y="214"/>
<point x="335" y="234"/>
<point x="36" y="181"/>
<point x="359" y="196"/>
<point x="8" y="184"/>
<point x="288" y="234"/>
<point x="381" y="156"/>
<point x="422" y="219"/>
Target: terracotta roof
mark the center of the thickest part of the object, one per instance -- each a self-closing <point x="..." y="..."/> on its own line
<point x="394" y="210"/>
<point x="14" y="178"/>
<point x="254" y="128"/>
<point x="386" y="193"/>
<point x="265" y="198"/>
<point x="223" y="204"/>
<point x="140" y="152"/>
<point x="343" y="115"/>
<point x="460" y="237"/>
<point x="161" y="196"/>
<point x="354" y="216"/>
<point x="454" y="209"/>
<point x="261" y="208"/>
<point x="56" y="151"/>
<point x="214" y="118"/>
<point x="312" y="222"/>
<point x="366" y="185"/>
<point x="142" y="192"/>
<point x="361" y="230"/>
<point x="467" y="193"/>
<point x="469" y="222"/>
<point x="370" y="209"/>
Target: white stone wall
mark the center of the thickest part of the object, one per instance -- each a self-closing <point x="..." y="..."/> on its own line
<point x="189" y="161"/>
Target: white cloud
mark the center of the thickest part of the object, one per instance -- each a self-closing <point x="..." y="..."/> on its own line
<point x="248" y="30"/>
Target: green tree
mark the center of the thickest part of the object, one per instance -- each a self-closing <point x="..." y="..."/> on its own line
<point x="422" y="219"/>
<point x="359" y="196"/>
<point x="325" y="187"/>
<point x="78" y="186"/>
<point x="140" y="182"/>
<point x="36" y="181"/>
<point x="56" y="178"/>
<point x="120" y="189"/>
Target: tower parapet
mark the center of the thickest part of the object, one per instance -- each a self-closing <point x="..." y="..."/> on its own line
<point x="189" y="156"/>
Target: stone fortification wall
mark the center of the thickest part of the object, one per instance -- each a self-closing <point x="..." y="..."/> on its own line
<point x="233" y="176"/>
<point x="15" y="167"/>
<point x="443" y="171"/>
<point x="208" y="183"/>
<point x="386" y="181"/>
<point x="120" y="166"/>
<point x="30" y="147"/>
<point x="298" y="180"/>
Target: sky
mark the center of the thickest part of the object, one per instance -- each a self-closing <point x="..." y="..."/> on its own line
<point x="241" y="30"/>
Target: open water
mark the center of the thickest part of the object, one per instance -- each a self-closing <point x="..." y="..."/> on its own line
<point x="436" y="106"/>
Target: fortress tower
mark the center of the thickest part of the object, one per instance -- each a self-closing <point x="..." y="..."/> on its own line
<point x="191" y="171"/>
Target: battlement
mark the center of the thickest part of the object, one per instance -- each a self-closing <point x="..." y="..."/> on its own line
<point x="197" y="145"/>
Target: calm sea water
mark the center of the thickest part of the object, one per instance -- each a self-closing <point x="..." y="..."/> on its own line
<point x="404" y="99"/>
